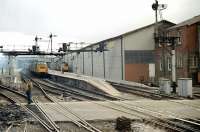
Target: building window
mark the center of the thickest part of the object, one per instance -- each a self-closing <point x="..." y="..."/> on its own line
<point x="169" y="64"/>
<point x="161" y="66"/>
<point x="179" y="62"/>
<point x="179" y="39"/>
<point x="168" y="35"/>
<point x="194" y="61"/>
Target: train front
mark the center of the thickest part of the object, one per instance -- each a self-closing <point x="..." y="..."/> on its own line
<point x="42" y="69"/>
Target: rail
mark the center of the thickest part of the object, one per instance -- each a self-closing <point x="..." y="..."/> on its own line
<point x="106" y="96"/>
<point x="14" y="100"/>
<point x="156" y="118"/>
<point x="81" y="121"/>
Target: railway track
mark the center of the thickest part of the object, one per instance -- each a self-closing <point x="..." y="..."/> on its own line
<point x="140" y="115"/>
<point x="64" y="91"/>
<point x="181" y="125"/>
<point x="175" y="115"/>
<point x="104" y="96"/>
<point x="77" y="120"/>
<point x="14" y="95"/>
<point x="197" y="107"/>
<point x="7" y="97"/>
<point x="178" y="124"/>
<point x="150" y="93"/>
<point x="91" y="95"/>
<point x="78" y="95"/>
<point x="196" y="95"/>
<point x="18" y="98"/>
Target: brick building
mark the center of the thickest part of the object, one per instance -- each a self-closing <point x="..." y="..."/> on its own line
<point x="187" y="51"/>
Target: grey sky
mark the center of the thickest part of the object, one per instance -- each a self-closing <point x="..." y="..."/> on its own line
<point x="86" y="20"/>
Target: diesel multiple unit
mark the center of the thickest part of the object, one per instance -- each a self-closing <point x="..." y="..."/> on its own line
<point x="39" y="68"/>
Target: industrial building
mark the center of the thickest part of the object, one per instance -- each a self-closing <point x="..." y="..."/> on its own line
<point x="186" y="48"/>
<point x="129" y="56"/>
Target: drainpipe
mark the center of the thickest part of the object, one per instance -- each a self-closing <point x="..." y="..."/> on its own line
<point x="92" y="59"/>
<point x="104" y="73"/>
<point x="122" y="59"/>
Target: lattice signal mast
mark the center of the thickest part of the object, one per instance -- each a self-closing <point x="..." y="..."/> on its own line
<point x="163" y="39"/>
<point x="158" y="8"/>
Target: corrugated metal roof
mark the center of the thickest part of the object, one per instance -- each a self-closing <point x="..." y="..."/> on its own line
<point x="189" y="22"/>
<point x="130" y="32"/>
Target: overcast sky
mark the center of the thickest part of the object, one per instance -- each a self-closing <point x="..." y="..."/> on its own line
<point x="82" y="20"/>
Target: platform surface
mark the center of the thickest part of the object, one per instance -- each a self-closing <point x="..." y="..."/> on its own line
<point x="97" y="111"/>
<point x="96" y="82"/>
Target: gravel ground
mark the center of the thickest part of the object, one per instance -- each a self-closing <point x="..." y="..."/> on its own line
<point x="11" y="114"/>
<point x="105" y="126"/>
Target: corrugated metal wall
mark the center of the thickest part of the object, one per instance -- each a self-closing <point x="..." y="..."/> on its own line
<point x="134" y="48"/>
<point x="113" y="66"/>
<point x="140" y="40"/>
<point x="98" y="64"/>
<point x="106" y="64"/>
<point x="88" y="63"/>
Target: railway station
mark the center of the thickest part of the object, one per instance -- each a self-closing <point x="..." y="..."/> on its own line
<point x="144" y="78"/>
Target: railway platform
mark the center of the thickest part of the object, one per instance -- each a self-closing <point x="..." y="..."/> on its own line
<point x="110" y="110"/>
<point x="98" y="83"/>
<point x="104" y="85"/>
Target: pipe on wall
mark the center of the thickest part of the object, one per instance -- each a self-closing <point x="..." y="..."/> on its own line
<point x="122" y="58"/>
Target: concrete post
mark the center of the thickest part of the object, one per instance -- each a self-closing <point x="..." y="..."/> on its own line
<point x="173" y="66"/>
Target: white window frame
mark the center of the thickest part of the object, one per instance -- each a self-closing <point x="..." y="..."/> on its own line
<point x="169" y="64"/>
<point x="179" y="61"/>
<point x="193" y="61"/>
